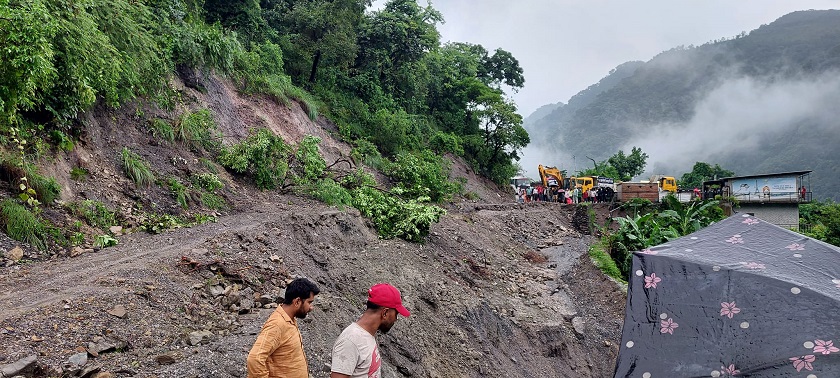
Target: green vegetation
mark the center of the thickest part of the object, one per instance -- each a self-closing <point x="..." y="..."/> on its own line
<point x="197" y="129"/>
<point x="104" y="241"/>
<point x="94" y="212"/>
<point x="179" y="191"/>
<point x="207" y="181"/>
<point x="136" y="168"/>
<point x="262" y="155"/>
<point x="423" y="175"/>
<point x="702" y="172"/>
<point x="384" y="77"/>
<point x="604" y="262"/>
<point x="79" y="173"/>
<point x="650" y="226"/>
<point x="619" y="166"/>
<point x="162" y="129"/>
<point x="35" y="188"/>
<point x="22" y="225"/>
<point x="821" y="220"/>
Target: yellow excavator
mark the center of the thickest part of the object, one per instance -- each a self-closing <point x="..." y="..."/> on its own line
<point x="550" y="176"/>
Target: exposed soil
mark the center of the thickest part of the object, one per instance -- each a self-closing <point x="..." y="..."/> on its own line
<point x="498" y="289"/>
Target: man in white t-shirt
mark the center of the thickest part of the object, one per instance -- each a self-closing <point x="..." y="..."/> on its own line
<point x="355" y="352"/>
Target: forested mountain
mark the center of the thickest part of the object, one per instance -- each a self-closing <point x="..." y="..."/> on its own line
<point x="761" y="102"/>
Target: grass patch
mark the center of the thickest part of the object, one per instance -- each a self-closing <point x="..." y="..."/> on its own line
<point x="197" y="129"/>
<point x="79" y="173"/>
<point x="136" y="168"/>
<point x="162" y="129"/>
<point x="46" y="187"/>
<point x="209" y="165"/>
<point x="213" y="201"/>
<point x="179" y="191"/>
<point x="604" y="262"/>
<point x="95" y="213"/>
<point x="20" y="224"/>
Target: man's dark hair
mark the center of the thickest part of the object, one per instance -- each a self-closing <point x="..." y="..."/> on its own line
<point x="300" y="288"/>
<point x="373" y="306"/>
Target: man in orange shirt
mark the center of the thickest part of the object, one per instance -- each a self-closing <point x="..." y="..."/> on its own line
<point x="278" y="351"/>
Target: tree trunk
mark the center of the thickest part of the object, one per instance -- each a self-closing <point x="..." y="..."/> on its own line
<point x="314" y="71"/>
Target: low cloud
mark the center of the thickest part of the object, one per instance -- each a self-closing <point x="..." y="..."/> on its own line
<point x="737" y="115"/>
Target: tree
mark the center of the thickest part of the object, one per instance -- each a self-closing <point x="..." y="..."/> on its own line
<point x="703" y="172"/>
<point x="502" y="135"/>
<point x="393" y="40"/>
<point x="629" y="166"/>
<point x="316" y="33"/>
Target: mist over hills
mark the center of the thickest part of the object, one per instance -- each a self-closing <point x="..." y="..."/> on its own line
<point x="761" y="102"/>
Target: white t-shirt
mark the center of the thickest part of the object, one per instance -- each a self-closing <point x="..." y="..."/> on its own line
<point x="356" y="353"/>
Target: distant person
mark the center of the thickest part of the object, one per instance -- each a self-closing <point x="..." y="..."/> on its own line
<point x="278" y="351"/>
<point x="802" y="192"/>
<point x="356" y="352"/>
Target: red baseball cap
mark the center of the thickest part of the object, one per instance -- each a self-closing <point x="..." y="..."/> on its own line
<point x="386" y="295"/>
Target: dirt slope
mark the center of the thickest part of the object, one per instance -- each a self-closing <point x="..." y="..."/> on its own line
<point x="498" y="289"/>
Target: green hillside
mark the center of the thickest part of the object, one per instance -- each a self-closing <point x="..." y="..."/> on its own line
<point x="680" y="89"/>
<point x="399" y="96"/>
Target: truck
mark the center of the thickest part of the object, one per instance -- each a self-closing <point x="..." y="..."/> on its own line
<point x="646" y="190"/>
<point x="666" y="183"/>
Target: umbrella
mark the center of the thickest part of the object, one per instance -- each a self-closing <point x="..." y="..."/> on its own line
<point x="740" y="298"/>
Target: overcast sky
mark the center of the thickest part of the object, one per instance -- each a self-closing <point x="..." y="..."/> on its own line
<point x="566" y="45"/>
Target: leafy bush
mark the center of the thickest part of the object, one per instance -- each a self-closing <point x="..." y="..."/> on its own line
<point x="423" y="174"/>
<point x="263" y="155"/>
<point x="201" y="45"/>
<point x="103" y="241"/>
<point x="446" y="142"/>
<point x="61" y="140"/>
<point x="207" y="181"/>
<point x="157" y="223"/>
<point x="366" y="153"/>
<point x="821" y="220"/>
<point x="20" y="224"/>
<point x="136" y="168"/>
<point x="309" y="165"/>
<point x="332" y="193"/>
<point x="395" y="217"/>
<point x="261" y="71"/>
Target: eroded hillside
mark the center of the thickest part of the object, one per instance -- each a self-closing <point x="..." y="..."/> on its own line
<point x="497" y="289"/>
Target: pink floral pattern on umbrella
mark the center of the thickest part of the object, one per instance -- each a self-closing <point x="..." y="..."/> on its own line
<point x="648" y="251"/>
<point x="803" y="362"/>
<point x="651" y="281"/>
<point x="668" y="326"/>
<point x="796" y="247"/>
<point x="736" y="239"/>
<point x="728" y="309"/>
<point x="729" y="370"/>
<point x="751" y="221"/>
<point x="825" y="347"/>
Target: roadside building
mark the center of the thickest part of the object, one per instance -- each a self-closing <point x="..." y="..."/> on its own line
<point x="773" y="197"/>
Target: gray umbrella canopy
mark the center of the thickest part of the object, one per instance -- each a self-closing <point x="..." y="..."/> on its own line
<point x="739" y="298"/>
